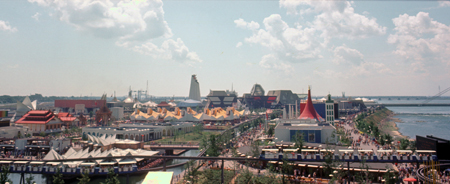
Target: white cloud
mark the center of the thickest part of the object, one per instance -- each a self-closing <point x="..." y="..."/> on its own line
<point x="4" y="26"/>
<point x="132" y="23"/>
<point x="36" y="16"/>
<point x="343" y="54"/>
<point x="365" y="69"/>
<point x="444" y="3"/>
<point x="336" y="19"/>
<point x="169" y="50"/>
<point x="239" y="44"/>
<point x="421" y="39"/>
<point x="271" y="62"/>
<point x="292" y="44"/>
<point x="240" y="23"/>
<point x="305" y="41"/>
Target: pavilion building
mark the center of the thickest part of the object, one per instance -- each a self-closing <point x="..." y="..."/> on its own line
<point x="309" y="124"/>
<point x="40" y="121"/>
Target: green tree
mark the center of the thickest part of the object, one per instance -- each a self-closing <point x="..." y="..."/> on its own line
<point x="192" y="170"/>
<point x="84" y="178"/>
<point x="270" y="131"/>
<point x="404" y="143"/>
<point x="42" y="134"/>
<point x="29" y="179"/>
<point x="390" y="177"/>
<point x="203" y="142"/>
<point x="286" y="168"/>
<point x="58" y="177"/>
<point x="244" y="177"/>
<point x="412" y="145"/>
<point x="255" y="151"/>
<point x="112" y="177"/>
<point x="213" y="149"/>
<point x="4" y="175"/>
<point x="299" y="141"/>
<point x="363" y="177"/>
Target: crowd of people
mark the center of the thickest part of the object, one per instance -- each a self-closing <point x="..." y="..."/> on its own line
<point x="152" y="163"/>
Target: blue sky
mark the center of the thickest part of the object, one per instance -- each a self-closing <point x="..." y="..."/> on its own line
<point x="92" y="47"/>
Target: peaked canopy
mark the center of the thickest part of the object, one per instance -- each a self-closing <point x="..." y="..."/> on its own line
<point x="309" y="112"/>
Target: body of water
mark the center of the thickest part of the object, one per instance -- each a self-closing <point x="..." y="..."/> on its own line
<point x="423" y="120"/>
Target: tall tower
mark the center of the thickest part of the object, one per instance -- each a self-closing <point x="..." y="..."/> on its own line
<point x="194" y="91"/>
<point x="329" y="104"/>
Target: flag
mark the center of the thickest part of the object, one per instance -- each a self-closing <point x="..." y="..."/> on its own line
<point x="267" y="116"/>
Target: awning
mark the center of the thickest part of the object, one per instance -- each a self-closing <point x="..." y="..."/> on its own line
<point x="53" y="163"/>
<point x="404" y="151"/>
<point x="5" y="161"/>
<point x="292" y="150"/>
<point x="309" y="150"/>
<point x="108" y="163"/>
<point x="425" y="151"/>
<point x="87" y="164"/>
<point x="21" y="162"/>
<point x="127" y="162"/>
<point x="270" y="150"/>
<point x="36" y="163"/>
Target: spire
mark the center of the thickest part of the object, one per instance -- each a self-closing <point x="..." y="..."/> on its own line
<point x="309" y="112"/>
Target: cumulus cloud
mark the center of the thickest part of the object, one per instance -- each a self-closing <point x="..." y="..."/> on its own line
<point x="4" y="26"/>
<point x="343" y="54"/>
<point x="305" y="41"/>
<point x="239" y="44"/>
<point x="240" y="23"/>
<point x="336" y="19"/>
<point x="270" y="61"/>
<point x="421" y="39"/>
<point x="131" y="23"/>
<point x="292" y="44"/>
<point x="36" y="16"/>
<point x="444" y="3"/>
<point x="170" y="50"/>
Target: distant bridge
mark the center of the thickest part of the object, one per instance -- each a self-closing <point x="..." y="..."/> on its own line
<point x="171" y="147"/>
<point x="413" y="104"/>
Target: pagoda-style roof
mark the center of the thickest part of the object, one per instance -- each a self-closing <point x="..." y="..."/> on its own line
<point x="36" y="117"/>
<point x="309" y="111"/>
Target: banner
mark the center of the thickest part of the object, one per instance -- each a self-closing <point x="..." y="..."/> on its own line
<point x="3" y="114"/>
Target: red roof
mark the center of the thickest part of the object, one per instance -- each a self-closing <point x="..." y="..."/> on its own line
<point x="64" y="114"/>
<point x="309" y="112"/>
<point x="65" y="119"/>
<point x="36" y="117"/>
<point x="163" y="104"/>
<point x="87" y="103"/>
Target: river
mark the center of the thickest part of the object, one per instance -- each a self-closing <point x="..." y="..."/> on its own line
<point x="423" y="120"/>
<point x="138" y="179"/>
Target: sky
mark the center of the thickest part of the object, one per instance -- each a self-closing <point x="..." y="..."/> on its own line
<point x="91" y="47"/>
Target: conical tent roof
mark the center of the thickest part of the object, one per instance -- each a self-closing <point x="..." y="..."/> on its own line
<point x="69" y="152"/>
<point x="52" y="155"/>
<point x="309" y="112"/>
